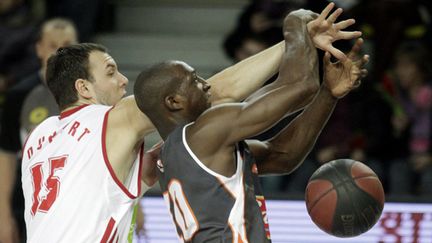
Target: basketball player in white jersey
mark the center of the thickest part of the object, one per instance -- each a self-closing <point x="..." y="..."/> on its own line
<point x="83" y="170"/>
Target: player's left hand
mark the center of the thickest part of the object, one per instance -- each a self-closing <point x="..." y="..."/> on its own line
<point x="324" y="31"/>
<point x="343" y="76"/>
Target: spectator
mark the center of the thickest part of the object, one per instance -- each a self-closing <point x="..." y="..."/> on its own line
<point x="412" y="120"/>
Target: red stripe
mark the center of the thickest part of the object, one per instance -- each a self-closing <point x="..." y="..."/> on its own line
<point x="71" y="111"/>
<point x="108" y="230"/>
<point x="113" y="236"/>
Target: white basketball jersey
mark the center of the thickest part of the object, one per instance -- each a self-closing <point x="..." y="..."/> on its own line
<point x="71" y="191"/>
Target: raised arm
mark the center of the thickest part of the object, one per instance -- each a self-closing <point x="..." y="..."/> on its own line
<point x="295" y="86"/>
<point x="286" y="151"/>
<point x="312" y="30"/>
<point x="126" y="129"/>
<point x="237" y="82"/>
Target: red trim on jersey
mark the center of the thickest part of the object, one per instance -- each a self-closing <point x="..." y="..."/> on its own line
<point x="108" y="163"/>
<point x="108" y="230"/>
<point x="71" y="111"/>
<point x="113" y="236"/>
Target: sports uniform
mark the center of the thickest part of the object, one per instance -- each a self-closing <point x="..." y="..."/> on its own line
<point x="209" y="207"/>
<point x="71" y="191"/>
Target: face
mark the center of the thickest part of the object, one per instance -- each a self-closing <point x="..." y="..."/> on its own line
<point x="109" y="85"/>
<point x="52" y="39"/>
<point x="197" y="91"/>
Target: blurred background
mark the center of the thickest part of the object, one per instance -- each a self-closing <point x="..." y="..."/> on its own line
<point x="386" y="123"/>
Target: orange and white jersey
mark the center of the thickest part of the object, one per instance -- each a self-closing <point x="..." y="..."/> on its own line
<point x="71" y="191"/>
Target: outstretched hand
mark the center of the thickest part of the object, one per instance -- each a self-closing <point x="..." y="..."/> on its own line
<point x="345" y="75"/>
<point x="324" y="31"/>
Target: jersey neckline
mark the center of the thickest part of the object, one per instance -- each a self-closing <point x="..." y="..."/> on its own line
<point x="71" y="111"/>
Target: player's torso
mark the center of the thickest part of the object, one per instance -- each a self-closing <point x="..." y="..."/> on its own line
<point x="206" y="206"/>
<point x="71" y="192"/>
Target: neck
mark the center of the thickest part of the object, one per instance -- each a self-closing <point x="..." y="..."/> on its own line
<point x="166" y="125"/>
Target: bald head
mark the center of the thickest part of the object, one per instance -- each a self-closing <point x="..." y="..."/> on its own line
<point x="53" y="34"/>
<point x="157" y="82"/>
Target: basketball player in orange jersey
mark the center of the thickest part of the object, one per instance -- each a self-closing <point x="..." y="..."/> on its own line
<point x="83" y="170"/>
<point x="207" y="172"/>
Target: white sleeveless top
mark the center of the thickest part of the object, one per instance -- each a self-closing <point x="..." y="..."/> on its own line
<point x="70" y="189"/>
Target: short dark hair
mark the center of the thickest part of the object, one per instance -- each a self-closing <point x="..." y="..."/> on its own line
<point x="66" y="66"/>
<point x="154" y="84"/>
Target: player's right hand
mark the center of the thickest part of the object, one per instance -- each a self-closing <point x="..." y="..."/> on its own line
<point x="343" y="76"/>
<point x="324" y="31"/>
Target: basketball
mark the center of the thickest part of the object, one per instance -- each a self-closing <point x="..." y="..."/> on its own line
<point x="344" y="198"/>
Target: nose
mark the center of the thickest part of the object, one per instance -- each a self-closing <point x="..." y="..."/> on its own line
<point x="124" y="79"/>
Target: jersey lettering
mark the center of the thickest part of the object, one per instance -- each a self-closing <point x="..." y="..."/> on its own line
<point x="183" y="214"/>
<point x="43" y="200"/>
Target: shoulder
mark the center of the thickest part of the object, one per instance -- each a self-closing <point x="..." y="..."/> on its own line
<point x="128" y="117"/>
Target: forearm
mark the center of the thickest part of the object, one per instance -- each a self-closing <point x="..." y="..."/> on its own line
<point x="294" y="143"/>
<point x="300" y="60"/>
<point x="240" y="80"/>
<point x="263" y="112"/>
<point x="7" y="182"/>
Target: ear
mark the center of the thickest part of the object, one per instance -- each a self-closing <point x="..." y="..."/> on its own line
<point x="84" y="88"/>
<point x="174" y="102"/>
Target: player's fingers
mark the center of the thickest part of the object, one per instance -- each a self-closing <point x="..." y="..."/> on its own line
<point x="332" y="18"/>
<point x="348" y="35"/>
<point x="337" y="53"/>
<point x="363" y="61"/>
<point x="326" y="11"/>
<point x="356" y="83"/>
<point x="344" y="24"/>
<point x="363" y="73"/>
<point x="326" y="58"/>
<point x="355" y="50"/>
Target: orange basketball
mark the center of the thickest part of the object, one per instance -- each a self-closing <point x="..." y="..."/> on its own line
<point x="344" y="198"/>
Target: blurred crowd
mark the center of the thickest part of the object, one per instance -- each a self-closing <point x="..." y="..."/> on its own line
<point x="386" y="123"/>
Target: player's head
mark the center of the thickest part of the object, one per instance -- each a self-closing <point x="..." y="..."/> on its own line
<point x="85" y="73"/>
<point x="53" y="34"/>
<point x="172" y="89"/>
